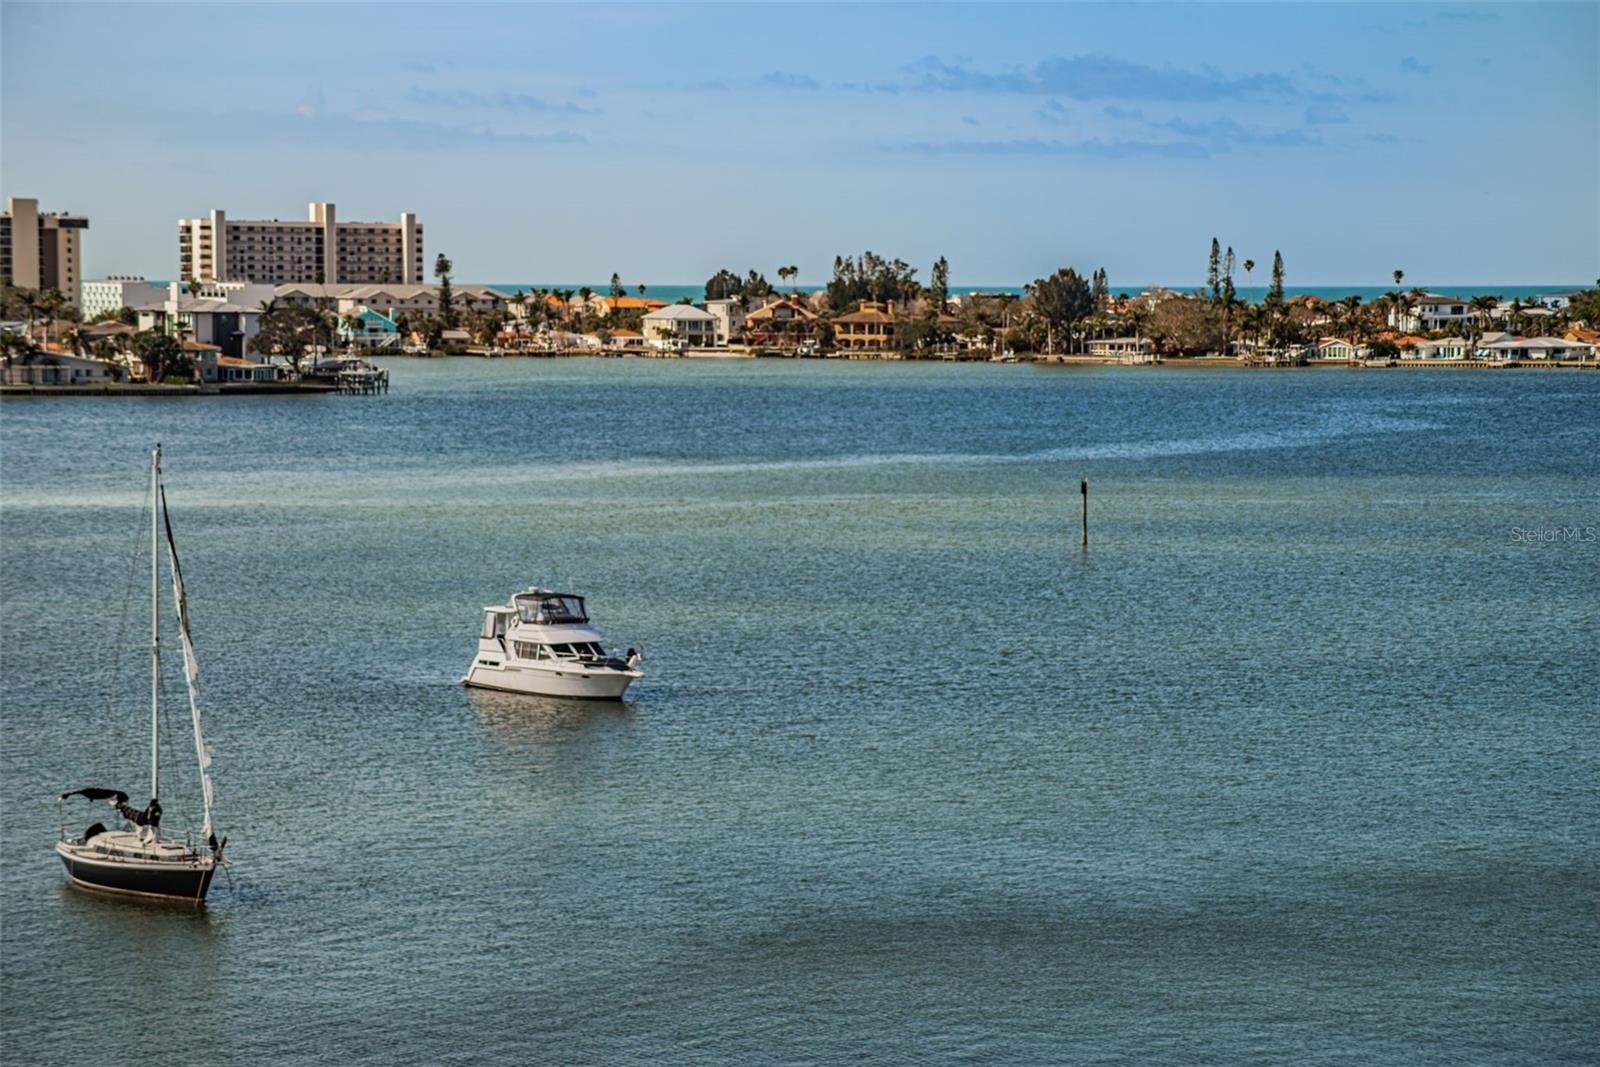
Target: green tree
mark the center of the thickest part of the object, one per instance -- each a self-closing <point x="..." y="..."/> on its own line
<point x="723" y="285"/>
<point x="1398" y="274"/>
<point x="939" y="283"/>
<point x="1214" y="270"/>
<point x="1063" y="300"/>
<point x="441" y="270"/>
<point x="161" y="354"/>
<point x="616" y="284"/>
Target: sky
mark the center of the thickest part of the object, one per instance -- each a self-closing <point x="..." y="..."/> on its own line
<point x="1458" y="142"/>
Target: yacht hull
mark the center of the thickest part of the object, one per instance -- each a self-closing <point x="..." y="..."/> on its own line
<point x="574" y="683"/>
<point x="145" y="878"/>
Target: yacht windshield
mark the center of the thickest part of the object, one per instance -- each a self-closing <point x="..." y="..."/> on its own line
<point x="550" y="608"/>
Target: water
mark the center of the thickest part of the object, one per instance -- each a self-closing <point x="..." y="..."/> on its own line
<point x="1298" y="763"/>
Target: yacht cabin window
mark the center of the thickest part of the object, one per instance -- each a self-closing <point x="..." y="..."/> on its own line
<point x="550" y="608"/>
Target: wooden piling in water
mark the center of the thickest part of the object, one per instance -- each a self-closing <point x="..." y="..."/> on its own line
<point x="1083" y="493"/>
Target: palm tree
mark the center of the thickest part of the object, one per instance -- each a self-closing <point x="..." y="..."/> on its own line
<point x="51" y="302"/>
<point x="1249" y="265"/>
<point x="30" y="300"/>
<point x="1398" y="274"/>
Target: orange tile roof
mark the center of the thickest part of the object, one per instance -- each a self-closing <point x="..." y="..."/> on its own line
<point x="624" y="303"/>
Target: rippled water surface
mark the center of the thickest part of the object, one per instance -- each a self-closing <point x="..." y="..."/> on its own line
<point x="1299" y="762"/>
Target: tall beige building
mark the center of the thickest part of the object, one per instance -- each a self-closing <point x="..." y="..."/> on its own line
<point x="321" y="249"/>
<point x="41" y="251"/>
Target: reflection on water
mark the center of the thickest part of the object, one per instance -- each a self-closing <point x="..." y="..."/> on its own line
<point x="519" y="720"/>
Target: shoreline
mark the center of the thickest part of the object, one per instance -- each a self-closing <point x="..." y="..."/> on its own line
<point x="1195" y="362"/>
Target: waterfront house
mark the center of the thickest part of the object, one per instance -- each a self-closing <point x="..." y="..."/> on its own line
<point x="1432" y="311"/>
<point x="780" y="322"/>
<point x="1443" y="348"/>
<point x="56" y="368"/>
<point x="1338" y="349"/>
<point x="211" y="366"/>
<point x="730" y="315"/>
<point x="679" y="326"/>
<point x="1126" y="349"/>
<point x="368" y="329"/>
<point x="226" y="315"/>
<point x="870" y="327"/>
<point x="624" y="341"/>
<point x="1540" y="348"/>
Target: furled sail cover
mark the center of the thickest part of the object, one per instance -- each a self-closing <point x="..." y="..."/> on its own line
<point x="93" y="793"/>
<point x="191" y="666"/>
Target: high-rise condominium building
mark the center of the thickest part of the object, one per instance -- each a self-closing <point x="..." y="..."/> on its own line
<point x="41" y="251"/>
<point x="217" y="248"/>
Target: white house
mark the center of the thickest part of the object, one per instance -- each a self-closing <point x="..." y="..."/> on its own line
<point x="1126" y="349"/>
<point x="57" y="368"/>
<point x="1519" y="348"/>
<point x="1444" y="348"/>
<point x="226" y="315"/>
<point x="678" y="326"/>
<point x="1432" y="312"/>
<point x="730" y="316"/>
<point x="1337" y="348"/>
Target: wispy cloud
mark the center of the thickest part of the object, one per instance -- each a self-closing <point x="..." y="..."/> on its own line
<point x="1325" y="115"/>
<point x="1036" y="147"/>
<point x="1112" y="111"/>
<point x="970" y="120"/>
<point x="1053" y="112"/>
<point x="1412" y="65"/>
<point x="1097" y="76"/>
<point x="1224" y="134"/>
<point x="376" y="133"/>
<point x="493" y="101"/>
<point x="782" y="79"/>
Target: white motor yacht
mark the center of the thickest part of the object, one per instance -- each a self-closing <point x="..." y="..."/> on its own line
<point x="541" y="643"/>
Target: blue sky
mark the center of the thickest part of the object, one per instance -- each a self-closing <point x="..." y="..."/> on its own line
<point x="1458" y="142"/>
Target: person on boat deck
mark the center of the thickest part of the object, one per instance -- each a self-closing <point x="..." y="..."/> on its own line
<point x="147" y="820"/>
<point x="632" y="659"/>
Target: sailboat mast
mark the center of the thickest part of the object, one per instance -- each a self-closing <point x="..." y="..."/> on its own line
<point x="155" y="633"/>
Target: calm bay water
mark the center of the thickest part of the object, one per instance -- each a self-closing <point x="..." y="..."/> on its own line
<point x="1299" y="762"/>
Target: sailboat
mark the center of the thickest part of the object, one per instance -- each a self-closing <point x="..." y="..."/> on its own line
<point x="134" y="856"/>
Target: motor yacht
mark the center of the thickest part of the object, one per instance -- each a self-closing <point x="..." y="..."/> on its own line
<point x="541" y="642"/>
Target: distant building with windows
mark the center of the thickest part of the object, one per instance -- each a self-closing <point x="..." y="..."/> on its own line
<point x="102" y="296"/>
<point x="319" y="250"/>
<point x="40" y="252"/>
<point x="680" y="326"/>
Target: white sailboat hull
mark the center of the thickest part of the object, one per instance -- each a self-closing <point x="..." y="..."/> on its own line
<point x="574" y="681"/>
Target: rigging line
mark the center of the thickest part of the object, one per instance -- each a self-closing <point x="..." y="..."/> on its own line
<point x="114" y="730"/>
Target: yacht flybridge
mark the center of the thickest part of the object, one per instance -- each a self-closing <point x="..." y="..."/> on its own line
<point x="541" y="643"/>
<point x="134" y="856"/>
